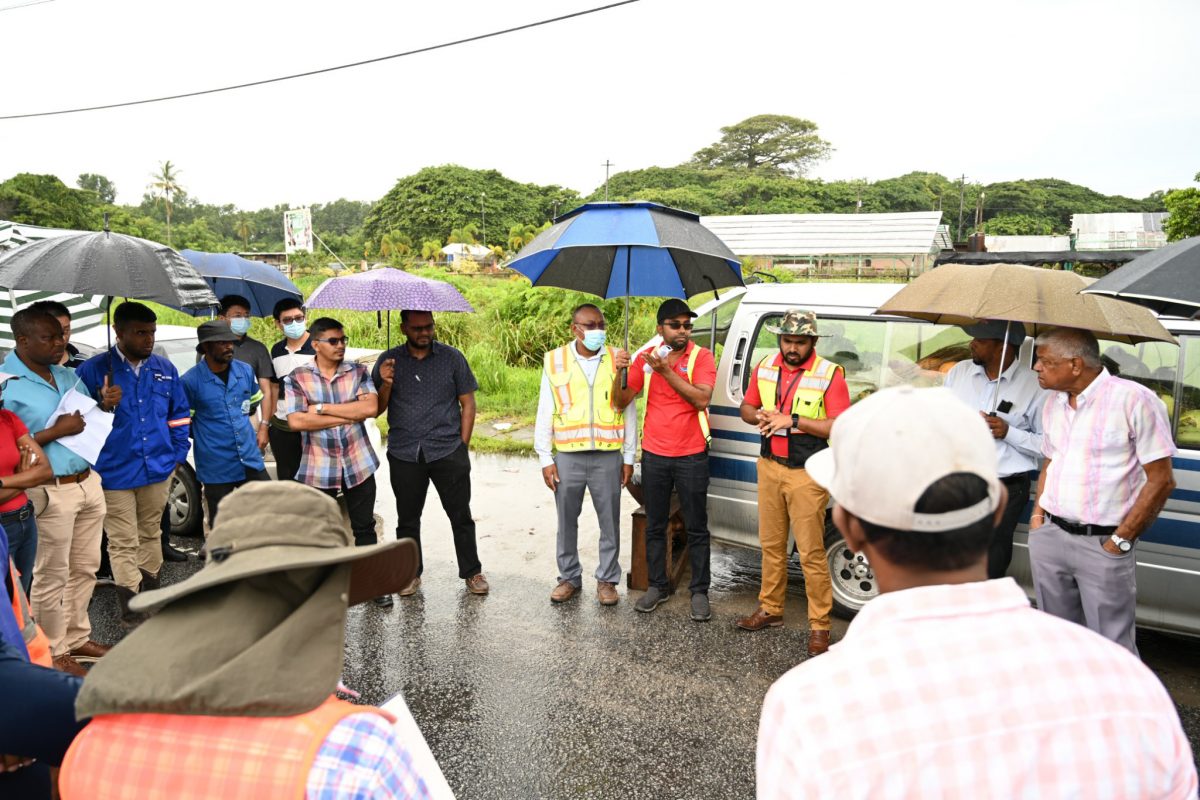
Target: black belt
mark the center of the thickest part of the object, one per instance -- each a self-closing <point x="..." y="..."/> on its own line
<point x="17" y="514"/>
<point x="1081" y="529"/>
<point x="782" y="460"/>
<point x="1020" y="477"/>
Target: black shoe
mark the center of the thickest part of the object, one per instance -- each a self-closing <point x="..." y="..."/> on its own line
<point x="129" y="619"/>
<point x="652" y="599"/>
<point x="169" y="552"/>
<point x="383" y="601"/>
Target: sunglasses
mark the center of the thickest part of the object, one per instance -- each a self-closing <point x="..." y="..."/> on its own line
<point x="335" y="340"/>
<point x="591" y="326"/>
<point x="676" y="325"/>
<point x="290" y="320"/>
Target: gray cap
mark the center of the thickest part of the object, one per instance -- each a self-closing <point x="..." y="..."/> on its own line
<point x="216" y="330"/>
<point x="995" y="329"/>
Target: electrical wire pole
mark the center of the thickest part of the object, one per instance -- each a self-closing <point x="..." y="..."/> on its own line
<point x="607" y="164"/>
<point x="962" y="186"/>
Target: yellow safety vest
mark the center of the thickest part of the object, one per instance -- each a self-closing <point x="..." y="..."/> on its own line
<point x="702" y="416"/>
<point x="809" y="400"/>
<point x="584" y="417"/>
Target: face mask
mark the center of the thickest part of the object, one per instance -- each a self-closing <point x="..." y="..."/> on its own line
<point x="293" y="330"/>
<point x="240" y="325"/>
<point x="593" y="340"/>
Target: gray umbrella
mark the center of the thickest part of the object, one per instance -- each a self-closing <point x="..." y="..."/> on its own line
<point x="107" y="264"/>
<point x="1166" y="280"/>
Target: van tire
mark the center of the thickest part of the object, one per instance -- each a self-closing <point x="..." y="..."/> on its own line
<point x="854" y="583"/>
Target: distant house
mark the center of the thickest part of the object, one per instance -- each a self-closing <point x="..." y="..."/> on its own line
<point x="457" y="250"/>
<point x="1026" y="244"/>
<point x="1132" y="231"/>
<point x="834" y="243"/>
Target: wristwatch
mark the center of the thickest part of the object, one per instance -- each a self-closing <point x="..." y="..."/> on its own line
<point x="1123" y="544"/>
<point x="796" y="421"/>
<point x="320" y="408"/>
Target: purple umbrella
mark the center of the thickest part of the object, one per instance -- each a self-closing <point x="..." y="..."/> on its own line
<point x="386" y="289"/>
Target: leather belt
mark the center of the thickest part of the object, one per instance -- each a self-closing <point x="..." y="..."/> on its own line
<point x="17" y="514"/>
<point x="1080" y="528"/>
<point x="78" y="477"/>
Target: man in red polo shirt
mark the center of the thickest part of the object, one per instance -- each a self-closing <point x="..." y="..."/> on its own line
<point x="793" y="398"/>
<point x="674" y="447"/>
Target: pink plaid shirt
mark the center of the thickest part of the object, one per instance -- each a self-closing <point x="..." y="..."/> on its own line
<point x="1097" y="449"/>
<point x="965" y="691"/>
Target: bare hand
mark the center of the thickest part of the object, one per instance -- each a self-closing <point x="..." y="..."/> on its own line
<point x="70" y="424"/>
<point x="1109" y="547"/>
<point x="659" y="365"/>
<point x="262" y="437"/>
<point x="387" y="370"/>
<point x="771" y="421"/>
<point x="110" y="396"/>
<point x="620" y="359"/>
<point x="26" y="458"/>
<point x="550" y="476"/>
<point x="626" y="474"/>
<point x="996" y="425"/>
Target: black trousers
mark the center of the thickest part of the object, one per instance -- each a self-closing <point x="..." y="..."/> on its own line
<point x="287" y="448"/>
<point x="451" y="476"/>
<point x="360" y="504"/>
<point x="1001" y="547"/>
<point x="214" y="493"/>
<point x="687" y="476"/>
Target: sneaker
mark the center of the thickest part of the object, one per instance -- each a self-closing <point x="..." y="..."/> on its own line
<point x="701" y="612"/>
<point x="652" y="599"/>
<point x="383" y="601"/>
<point x="411" y="589"/>
<point x="65" y="663"/>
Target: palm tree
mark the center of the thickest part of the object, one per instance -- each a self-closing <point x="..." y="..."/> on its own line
<point x="431" y="249"/>
<point x="166" y="187"/>
<point x="242" y="229"/>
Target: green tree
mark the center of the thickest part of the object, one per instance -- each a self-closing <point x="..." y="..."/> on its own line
<point x="1184" y="207"/>
<point x="769" y="142"/>
<point x="431" y="249"/>
<point x="104" y="189"/>
<point x="242" y="229"/>
<point x="165" y="186"/>
<point x="1018" y="225"/>
<point x="45" y="200"/>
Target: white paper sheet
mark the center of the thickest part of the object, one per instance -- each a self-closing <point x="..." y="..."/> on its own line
<point x="412" y="738"/>
<point x="97" y="425"/>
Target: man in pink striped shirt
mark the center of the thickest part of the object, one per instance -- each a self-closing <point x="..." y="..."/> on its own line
<point x="1107" y="475"/>
<point x="949" y="685"/>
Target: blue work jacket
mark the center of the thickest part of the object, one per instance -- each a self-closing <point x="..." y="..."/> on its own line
<point x="225" y="443"/>
<point x="150" y="428"/>
<point x="34" y="400"/>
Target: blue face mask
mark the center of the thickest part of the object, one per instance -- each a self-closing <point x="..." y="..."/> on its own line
<point x="240" y="325"/>
<point x="593" y="340"/>
<point x="294" y="330"/>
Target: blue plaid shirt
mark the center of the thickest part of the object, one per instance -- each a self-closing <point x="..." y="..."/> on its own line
<point x="362" y="759"/>
<point x="335" y="457"/>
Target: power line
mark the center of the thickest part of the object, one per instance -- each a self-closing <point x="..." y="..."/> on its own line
<point x="324" y="70"/>
<point x="24" y="5"/>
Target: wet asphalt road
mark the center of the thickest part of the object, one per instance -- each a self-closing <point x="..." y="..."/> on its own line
<point x="519" y="698"/>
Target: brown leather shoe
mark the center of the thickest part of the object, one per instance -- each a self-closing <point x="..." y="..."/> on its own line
<point x="607" y="592"/>
<point x="90" y="652"/>
<point x="477" y="584"/>
<point x="411" y="589"/>
<point x="818" y="642"/>
<point x="563" y="592"/>
<point x="65" y="663"/>
<point x="759" y="620"/>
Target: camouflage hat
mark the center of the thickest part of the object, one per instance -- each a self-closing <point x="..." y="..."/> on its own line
<point x="796" y="322"/>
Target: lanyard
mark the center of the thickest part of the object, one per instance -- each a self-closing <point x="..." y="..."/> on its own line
<point x="780" y="397"/>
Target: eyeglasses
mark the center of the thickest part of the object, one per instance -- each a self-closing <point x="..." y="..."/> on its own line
<point x="591" y="326"/>
<point x="675" y="325"/>
<point x="290" y="320"/>
<point x="335" y="340"/>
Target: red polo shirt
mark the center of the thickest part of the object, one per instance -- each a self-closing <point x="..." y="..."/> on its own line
<point x="11" y="429"/>
<point x="837" y="396"/>
<point x="672" y="426"/>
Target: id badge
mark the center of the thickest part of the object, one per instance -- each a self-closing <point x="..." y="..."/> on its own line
<point x="246" y="407"/>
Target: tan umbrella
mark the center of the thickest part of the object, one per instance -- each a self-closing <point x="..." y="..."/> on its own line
<point x="963" y="294"/>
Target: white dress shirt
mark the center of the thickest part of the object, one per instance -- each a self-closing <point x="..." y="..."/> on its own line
<point x="1021" y="448"/>
<point x="543" y="429"/>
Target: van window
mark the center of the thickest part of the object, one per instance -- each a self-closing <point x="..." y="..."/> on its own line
<point x="876" y="353"/>
<point x="702" y="333"/>
<point x="1187" y="397"/>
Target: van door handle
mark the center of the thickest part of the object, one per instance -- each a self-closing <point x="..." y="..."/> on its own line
<point x="741" y="348"/>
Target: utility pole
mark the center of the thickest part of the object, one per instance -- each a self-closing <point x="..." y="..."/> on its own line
<point x="962" y="186"/>
<point x="483" y="216"/>
<point x="607" y="165"/>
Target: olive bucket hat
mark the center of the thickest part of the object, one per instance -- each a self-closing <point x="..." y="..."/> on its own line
<point x="796" y="322"/>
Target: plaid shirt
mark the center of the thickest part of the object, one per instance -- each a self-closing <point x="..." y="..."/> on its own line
<point x="1097" y="449"/>
<point x="362" y="759"/>
<point x="965" y="691"/>
<point x="335" y="457"/>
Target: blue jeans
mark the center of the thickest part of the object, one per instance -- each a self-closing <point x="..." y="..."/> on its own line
<point x="21" y="527"/>
<point x="687" y="476"/>
<point x="37" y="720"/>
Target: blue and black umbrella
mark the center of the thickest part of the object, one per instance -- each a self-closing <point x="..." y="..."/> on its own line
<point x="633" y="249"/>
<point x="228" y="273"/>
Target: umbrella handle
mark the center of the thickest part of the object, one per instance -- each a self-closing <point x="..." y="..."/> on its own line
<point x="625" y="372"/>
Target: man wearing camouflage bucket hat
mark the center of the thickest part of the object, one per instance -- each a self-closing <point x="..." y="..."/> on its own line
<point x="227" y="691"/>
<point x="793" y="399"/>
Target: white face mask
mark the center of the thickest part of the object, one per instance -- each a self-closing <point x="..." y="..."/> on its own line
<point x="594" y="340"/>
<point x="294" y="330"/>
<point x="240" y="325"/>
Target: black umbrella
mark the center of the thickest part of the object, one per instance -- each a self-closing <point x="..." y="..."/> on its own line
<point x="1166" y="280"/>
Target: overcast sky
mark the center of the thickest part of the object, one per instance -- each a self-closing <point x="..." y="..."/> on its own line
<point x="1099" y="93"/>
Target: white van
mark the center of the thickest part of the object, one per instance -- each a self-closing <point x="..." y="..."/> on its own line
<point x="878" y="352"/>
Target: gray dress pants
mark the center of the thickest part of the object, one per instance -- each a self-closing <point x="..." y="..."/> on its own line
<point x="1077" y="579"/>
<point x="600" y="473"/>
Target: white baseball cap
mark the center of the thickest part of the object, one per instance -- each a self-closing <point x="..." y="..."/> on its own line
<point x="887" y="449"/>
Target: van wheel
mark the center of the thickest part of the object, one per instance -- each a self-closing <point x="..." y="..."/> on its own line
<point x="853" y="580"/>
<point x="184" y="510"/>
